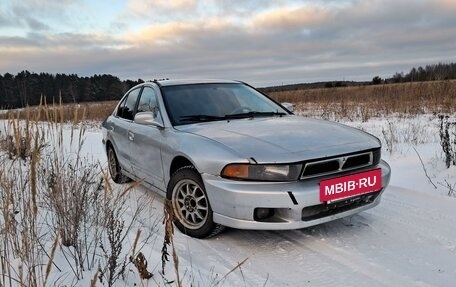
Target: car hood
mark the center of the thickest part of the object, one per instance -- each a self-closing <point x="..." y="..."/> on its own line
<point x="284" y="139"/>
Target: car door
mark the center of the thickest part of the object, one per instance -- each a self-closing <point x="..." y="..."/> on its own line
<point x="121" y="127"/>
<point x="147" y="144"/>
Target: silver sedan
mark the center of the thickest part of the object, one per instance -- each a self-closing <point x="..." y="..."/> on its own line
<point x="225" y="154"/>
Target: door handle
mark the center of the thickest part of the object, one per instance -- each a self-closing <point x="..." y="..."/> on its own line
<point x="131" y="136"/>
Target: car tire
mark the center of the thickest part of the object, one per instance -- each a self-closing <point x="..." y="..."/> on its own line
<point x="114" y="167"/>
<point x="191" y="207"/>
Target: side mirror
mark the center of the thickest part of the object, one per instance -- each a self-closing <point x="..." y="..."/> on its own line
<point x="288" y="106"/>
<point x="149" y="119"/>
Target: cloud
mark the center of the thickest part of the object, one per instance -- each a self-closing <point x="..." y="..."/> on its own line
<point x="179" y="32"/>
<point x="16" y="43"/>
<point x="85" y="41"/>
<point x="156" y="7"/>
<point x="34" y="14"/>
<point x="262" y="42"/>
<point x="5" y="21"/>
<point x="357" y="39"/>
<point x="290" y="19"/>
<point x="244" y="9"/>
<point x="446" y="4"/>
<point x="41" y="6"/>
<point x="36" y="25"/>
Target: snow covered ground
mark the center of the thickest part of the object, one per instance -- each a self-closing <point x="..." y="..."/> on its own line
<point x="408" y="240"/>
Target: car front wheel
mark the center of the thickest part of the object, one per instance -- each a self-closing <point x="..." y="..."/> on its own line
<point x="191" y="207"/>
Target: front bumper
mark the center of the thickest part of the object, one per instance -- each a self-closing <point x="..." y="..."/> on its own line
<point x="234" y="202"/>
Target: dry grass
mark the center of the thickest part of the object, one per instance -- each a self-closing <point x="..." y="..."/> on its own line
<point x="366" y="101"/>
<point x="54" y="200"/>
<point x="60" y="113"/>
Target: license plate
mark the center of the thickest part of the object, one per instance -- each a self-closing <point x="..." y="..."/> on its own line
<point x="351" y="185"/>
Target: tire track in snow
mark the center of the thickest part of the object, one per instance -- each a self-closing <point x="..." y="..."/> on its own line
<point x="286" y="263"/>
<point x="431" y="223"/>
<point x="357" y="263"/>
<point x="223" y="258"/>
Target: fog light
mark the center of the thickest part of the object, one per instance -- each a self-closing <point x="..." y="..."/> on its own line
<point x="262" y="213"/>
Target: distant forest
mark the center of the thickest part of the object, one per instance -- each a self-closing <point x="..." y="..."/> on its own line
<point x="434" y="72"/>
<point x="28" y="88"/>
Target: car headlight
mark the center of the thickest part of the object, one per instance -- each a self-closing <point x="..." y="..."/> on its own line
<point x="262" y="172"/>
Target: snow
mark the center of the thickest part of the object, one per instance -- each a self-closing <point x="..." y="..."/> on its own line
<point x="407" y="240"/>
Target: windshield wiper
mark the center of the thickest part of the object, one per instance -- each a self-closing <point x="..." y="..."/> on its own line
<point x="253" y="114"/>
<point x="201" y="118"/>
<point x="210" y="118"/>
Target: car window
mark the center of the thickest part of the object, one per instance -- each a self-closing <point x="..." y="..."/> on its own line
<point x="214" y="100"/>
<point x="248" y="99"/>
<point x="121" y="107"/>
<point x="148" y="101"/>
<point x="127" y="107"/>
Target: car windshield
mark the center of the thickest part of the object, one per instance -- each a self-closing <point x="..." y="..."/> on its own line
<point x="193" y="103"/>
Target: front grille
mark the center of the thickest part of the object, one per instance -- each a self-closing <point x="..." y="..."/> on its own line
<point x="358" y="160"/>
<point x="317" y="168"/>
<point x="340" y="163"/>
<point x="327" y="209"/>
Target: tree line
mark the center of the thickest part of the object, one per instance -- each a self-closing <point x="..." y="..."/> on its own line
<point x="434" y="72"/>
<point x="28" y="88"/>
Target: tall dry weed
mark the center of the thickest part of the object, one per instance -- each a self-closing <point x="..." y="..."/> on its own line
<point x="20" y="229"/>
<point x="56" y="202"/>
<point x="447" y="133"/>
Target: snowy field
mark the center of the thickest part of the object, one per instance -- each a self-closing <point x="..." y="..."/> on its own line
<point x="407" y="240"/>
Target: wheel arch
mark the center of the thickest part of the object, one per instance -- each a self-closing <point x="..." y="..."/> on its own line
<point x="109" y="144"/>
<point x="179" y="162"/>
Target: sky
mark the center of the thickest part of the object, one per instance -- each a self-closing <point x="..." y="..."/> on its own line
<point x="262" y="42"/>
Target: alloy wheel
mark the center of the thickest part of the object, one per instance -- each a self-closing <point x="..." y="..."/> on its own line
<point x="190" y="203"/>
